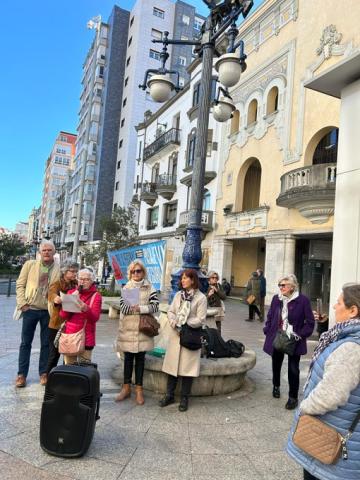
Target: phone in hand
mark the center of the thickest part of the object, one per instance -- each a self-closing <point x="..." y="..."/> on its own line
<point x="319" y="307"/>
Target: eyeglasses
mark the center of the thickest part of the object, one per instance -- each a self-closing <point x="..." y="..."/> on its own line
<point x="137" y="270"/>
<point x="216" y="278"/>
<point x="84" y="279"/>
<point x="283" y="285"/>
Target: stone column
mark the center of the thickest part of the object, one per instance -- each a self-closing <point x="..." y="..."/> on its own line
<point x="221" y="257"/>
<point x="279" y="260"/>
<point x="346" y="240"/>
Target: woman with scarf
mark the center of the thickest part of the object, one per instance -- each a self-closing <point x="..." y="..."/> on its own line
<point x="188" y="307"/>
<point x="90" y="306"/>
<point x="332" y="390"/>
<point x="68" y="281"/>
<point x="291" y="312"/>
<point x="133" y="343"/>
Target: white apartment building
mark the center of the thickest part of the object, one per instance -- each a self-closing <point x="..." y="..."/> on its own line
<point x="58" y="164"/>
<point x="148" y="20"/>
<point x="163" y="176"/>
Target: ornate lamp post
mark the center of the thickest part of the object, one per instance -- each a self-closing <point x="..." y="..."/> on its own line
<point x="221" y="20"/>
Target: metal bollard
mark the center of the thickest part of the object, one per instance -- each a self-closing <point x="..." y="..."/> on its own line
<point x="9" y="288"/>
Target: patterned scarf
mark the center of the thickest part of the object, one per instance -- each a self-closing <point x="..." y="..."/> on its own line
<point x="285" y="313"/>
<point x="327" y="338"/>
<point x="44" y="279"/>
<point x="184" y="311"/>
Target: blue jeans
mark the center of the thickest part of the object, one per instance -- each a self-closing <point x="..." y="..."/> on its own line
<point x="30" y="320"/>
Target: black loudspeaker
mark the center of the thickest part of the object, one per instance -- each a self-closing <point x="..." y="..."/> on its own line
<point x="70" y="410"/>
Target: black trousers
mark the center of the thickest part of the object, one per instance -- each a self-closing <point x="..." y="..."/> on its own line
<point x="293" y="371"/>
<point x="139" y="367"/>
<point x="54" y="354"/>
<point x="252" y="310"/>
<point x="308" y="476"/>
<point x="186" y="383"/>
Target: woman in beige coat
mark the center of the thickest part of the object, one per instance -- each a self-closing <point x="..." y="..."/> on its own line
<point x="133" y="343"/>
<point x="189" y="306"/>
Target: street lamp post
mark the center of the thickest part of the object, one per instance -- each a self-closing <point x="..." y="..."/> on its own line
<point x="221" y="20"/>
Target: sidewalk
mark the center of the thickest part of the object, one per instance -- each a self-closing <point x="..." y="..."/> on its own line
<point x="234" y="437"/>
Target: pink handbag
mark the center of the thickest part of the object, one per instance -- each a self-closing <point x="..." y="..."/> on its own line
<point x="74" y="343"/>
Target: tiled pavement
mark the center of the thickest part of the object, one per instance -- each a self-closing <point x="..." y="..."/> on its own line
<point x="234" y="437"/>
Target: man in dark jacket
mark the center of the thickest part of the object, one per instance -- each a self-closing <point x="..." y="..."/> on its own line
<point x="262" y="279"/>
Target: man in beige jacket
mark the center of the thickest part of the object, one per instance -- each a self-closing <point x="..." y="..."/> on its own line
<point x="32" y="288"/>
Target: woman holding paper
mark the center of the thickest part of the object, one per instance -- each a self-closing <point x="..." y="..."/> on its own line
<point x="138" y="298"/>
<point x="89" y="301"/>
<point x="68" y="273"/>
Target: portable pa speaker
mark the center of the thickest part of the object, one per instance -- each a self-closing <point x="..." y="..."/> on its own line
<point x="70" y="410"/>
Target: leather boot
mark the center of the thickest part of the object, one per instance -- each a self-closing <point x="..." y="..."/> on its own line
<point x="124" y="393"/>
<point x="139" y="395"/>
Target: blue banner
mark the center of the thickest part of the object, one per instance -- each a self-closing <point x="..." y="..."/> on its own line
<point x="150" y="254"/>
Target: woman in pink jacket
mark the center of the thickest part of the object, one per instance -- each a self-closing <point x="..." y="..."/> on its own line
<point x="90" y="304"/>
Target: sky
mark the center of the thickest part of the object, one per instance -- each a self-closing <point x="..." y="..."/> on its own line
<point x="44" y="45"/>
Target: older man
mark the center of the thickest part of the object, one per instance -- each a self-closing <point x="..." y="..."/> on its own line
<point x="32" y="289"/>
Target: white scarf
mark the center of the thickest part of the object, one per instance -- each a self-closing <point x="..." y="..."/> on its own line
<point x="285" y="314"/>
<point x="185" y="307"/>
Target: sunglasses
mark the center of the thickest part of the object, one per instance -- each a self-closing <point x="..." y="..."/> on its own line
<point x="137" y="270"/>
<point x="216" y="278"/>
<point x="283" y="285"/>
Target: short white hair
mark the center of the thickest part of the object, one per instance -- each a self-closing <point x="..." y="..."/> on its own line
<point x="47" y="242"/>
<point x="291" y="279"/>
<point x="89" y="272"/>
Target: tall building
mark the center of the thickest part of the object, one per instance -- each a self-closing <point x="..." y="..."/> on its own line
<point x="57" y="165"/>
<point x="90" y="188"/>
<point x="21" y="230"/>
<point x="148" y="20"/>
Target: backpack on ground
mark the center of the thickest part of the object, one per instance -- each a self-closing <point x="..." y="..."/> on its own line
<point x="216" y="347"/>
<point x="236" y="348"/>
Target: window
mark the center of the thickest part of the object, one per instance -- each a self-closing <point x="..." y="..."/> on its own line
<point x="209" y="143"/>
<point x="196" y="95"/>
<point x="206" y="200"/>
<point x="235" y="122"/>
<point x="182" y="60"/>
<point x="118" y="164"/>
<point x="128" y="62"/>
<point x="197" y="24"/>
<point x="129" y="42"/>
<point x="94" y="148"/>
<point x="156" y="34"/>
<point x="186" y="19"/>
<point x="126" y="81"/>
<point x="184" y="37"/>
<point x="252" y="112"/>
<point x="157" y="12"/>
<point x="120" y="143"/>
<point x="63" y="138"/>
<point x="170" y="211"/>
<point x="117" y="186"/>
<point x="272" y="101"/>
<point x="124" y="102"/>
<point x="132" y="21"/>
<point x="122" y="122"/>
<point x="153" y="217"/>
<point x="98" y="92"/>
<point x="101" y="71"/>
<point x="154" y="54"/>
<point x="191" y="148"/>
<point x="115" y="206"/>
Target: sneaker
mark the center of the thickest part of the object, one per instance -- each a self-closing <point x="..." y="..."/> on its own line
<point x="43" y="379"/>
<point x="20" y="381"/>
<point x="276" y="392"/>
<point x="167" y="400"/>
<point x="291" y="404"/>
<point x="184" y="403"/>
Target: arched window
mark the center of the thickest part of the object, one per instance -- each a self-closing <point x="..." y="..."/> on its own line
<point x="252" y="112"/>
<point x="252" y="181"/>
<point x="272" y="101"/>
<point x="235" y="122"/>
<point x="326" y="150"/>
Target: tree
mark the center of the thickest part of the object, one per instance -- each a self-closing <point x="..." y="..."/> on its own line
<point x="10" y="247"/>
<point x="118" y="231"/>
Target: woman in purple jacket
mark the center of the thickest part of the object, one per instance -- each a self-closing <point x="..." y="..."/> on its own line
<point x="289" y="311"/>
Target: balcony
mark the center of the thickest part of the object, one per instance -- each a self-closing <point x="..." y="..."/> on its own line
<point x="166" y="185"/>
<point x="210" y="172"/>
<point x="311" y="190"/>
<point x="148" y="193"/>
<point x="206" y="221"/>
<point x="162" y="144"/>
<point x="239" y="223"/>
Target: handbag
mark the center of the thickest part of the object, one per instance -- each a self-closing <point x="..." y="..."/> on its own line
<point x="148" y="325"/>
<point x="72" y="343"/>
<point x="320" y="441"/>
<point x="251" y="299"/>
<point x="190" y="337"/>
<point x="282" y="343"/>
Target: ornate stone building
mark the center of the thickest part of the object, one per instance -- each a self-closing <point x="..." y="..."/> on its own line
<point x="275" y="201"/>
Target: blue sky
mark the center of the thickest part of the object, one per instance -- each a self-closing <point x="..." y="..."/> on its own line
<point x="45" y="44"/>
